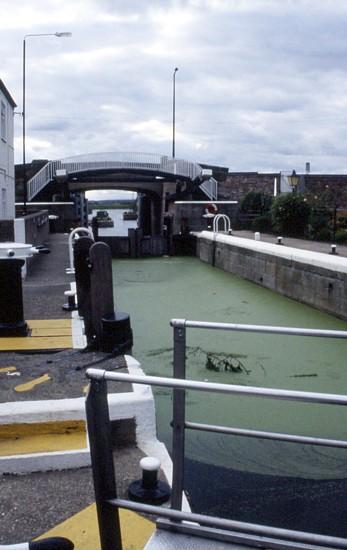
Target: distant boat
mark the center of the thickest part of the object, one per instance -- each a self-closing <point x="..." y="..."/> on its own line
<point x="103" y="219"/>
<point x="129" y="216"/>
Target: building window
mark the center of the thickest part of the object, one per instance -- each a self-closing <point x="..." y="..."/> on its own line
<point x="3" y="121"/>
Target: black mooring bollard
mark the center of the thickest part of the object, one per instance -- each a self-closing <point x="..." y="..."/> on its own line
<point x="82" y="276"/>
<point x="11" y="298"/>
<point x="71" y="302"/>
<point x="117" y="336"/>
<point x="149" y="489"/>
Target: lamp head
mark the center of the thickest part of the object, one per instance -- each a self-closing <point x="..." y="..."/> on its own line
<point x="63" y="34"/>
<point x="293" y="180"/>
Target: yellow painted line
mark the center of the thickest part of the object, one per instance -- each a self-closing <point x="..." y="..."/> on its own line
<point x="27" y="343"/>
<point x="45" y="334"/>
<point x="43" y="444"/>
<point x="8" y="431"/>
<point x="28" y="386"/>
<point x="8" y="369"/>
<point x="17" y="439"/>
<point x="82" y="530"/>
<point x="49" y="323"/>
<point x="50" y="331"/>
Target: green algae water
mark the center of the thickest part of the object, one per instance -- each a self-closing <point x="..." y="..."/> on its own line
<point x="154" y="291"/>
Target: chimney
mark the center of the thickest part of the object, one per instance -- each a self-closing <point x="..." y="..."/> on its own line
<point x="308" y="168"/>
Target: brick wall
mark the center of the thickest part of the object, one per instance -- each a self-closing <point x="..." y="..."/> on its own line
<point x="237" y="184"/>
<point x="333" y="187"/>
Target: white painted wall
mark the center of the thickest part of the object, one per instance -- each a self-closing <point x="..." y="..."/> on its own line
<point x="7" y="182"/>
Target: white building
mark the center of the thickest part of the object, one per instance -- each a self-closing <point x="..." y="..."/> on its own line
<point x="7" y="180"/>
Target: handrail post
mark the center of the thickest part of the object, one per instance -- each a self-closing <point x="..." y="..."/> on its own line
<point x="178" y="422"/>
<point x="99" y="431"/>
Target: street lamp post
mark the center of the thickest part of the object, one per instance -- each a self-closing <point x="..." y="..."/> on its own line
<point x="173" y="110"/>
<point x="293" y="181"/>
<point x="58" y="35"/>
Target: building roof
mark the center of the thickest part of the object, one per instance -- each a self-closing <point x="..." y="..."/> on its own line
<point x="7" y="94"/>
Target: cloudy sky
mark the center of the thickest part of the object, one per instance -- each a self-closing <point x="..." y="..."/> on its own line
<point x="262" y="84"/>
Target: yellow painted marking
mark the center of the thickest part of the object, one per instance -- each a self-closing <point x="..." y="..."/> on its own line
<point x="45" y="334"/>
<point x="16" y="439"/>
<point x="28" y="386"/>
<point x="27" y="343"/>
<point x="50" y="331"/>
<point x="49" y="323"/>
<point x="82" y="529"/>
<point x="8" y="369"/>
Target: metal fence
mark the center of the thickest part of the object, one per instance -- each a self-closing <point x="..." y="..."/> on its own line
<point x="173" y="518"/>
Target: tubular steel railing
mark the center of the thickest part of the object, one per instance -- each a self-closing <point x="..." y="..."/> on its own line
<point x="210" y="188"/>
<point x="174" y="519"/>
<point x="114" y="161"/>
<point x="226" y="223"/>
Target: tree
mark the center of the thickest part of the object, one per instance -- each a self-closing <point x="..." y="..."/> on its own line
<point x="290" y="214"/>
<point x="255" y="211"/>
<point x="256" y="202"/>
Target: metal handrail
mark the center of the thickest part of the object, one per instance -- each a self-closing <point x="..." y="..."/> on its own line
<point x="97" y="376"/>
<point x="264" y="329"/>
<point x="76" y="233"/>
<point x="180" y="326"/>
<point x="226" y="223"/>
<point x="246" y="533"/>
<point x="238" y="526"/>
<point x="210" y="188"/>
<point x="234" y="389"/>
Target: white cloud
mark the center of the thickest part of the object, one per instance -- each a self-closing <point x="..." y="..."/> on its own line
<point x="261" y="84"/>
<point x="152" y="130"/>
<point x="29" y="17"/>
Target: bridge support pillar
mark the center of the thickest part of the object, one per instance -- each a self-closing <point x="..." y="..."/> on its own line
<point x="156" y="216"/>
<point x="145" y="214"/>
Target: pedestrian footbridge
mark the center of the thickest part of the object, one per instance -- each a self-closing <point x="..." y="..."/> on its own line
<point x="133" y="171"/>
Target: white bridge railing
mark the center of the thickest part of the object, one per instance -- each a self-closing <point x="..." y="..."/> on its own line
<point x="210" y="188"/>
<point x="118" y="161"/>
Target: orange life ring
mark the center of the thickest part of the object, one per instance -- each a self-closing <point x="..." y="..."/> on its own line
<point x="211" y="208"/>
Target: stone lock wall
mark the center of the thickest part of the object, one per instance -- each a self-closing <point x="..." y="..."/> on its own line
<point x="320" y="286"/>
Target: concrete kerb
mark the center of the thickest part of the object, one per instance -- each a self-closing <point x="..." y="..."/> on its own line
<point x="138" y="404"/>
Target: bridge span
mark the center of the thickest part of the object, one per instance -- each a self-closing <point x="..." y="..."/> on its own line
<point x="142" y="172"/>
<point x="157" y="179"/>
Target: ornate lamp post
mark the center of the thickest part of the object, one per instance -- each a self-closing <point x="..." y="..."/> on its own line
<point x="293" y="181"/>
<point x="173" y="110"/>
<point x="58" y="35"/>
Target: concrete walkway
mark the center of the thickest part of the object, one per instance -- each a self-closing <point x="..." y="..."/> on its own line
<point x="35" y="503"/>
<point x="43" y="297"/>
<point x="303" y="244"/>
